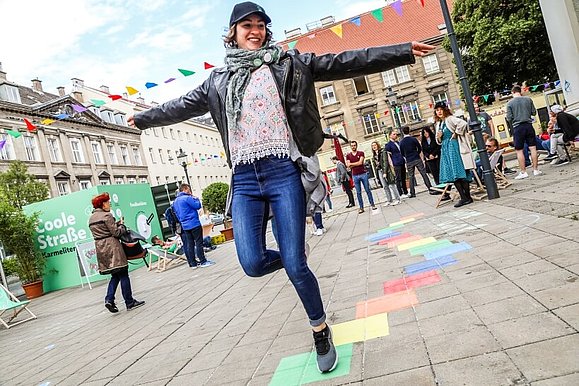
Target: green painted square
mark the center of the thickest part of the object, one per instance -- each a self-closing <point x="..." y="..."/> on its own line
<point x="302" y="368"/>
<point x="390" y="228"/>
<point x="429" y="247"/>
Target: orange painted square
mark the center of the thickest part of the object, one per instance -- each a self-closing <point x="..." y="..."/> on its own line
<point x="386" y="303"/>
<point x="412" y="281"/>
<point x="415" y="215"/>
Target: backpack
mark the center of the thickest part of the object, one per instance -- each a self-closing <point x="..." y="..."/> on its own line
<point x="173" y="221"/>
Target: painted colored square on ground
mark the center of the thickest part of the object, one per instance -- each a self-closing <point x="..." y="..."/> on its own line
<point x="386" y="303"/>
<point x="417" y="243"/>
<point x="429" y="265"/>
<point x="439" y="244"/>
<point x="415" y="216"/>
<point x="411" y="281"/>
<point x="454" y="248"/>
<point x="302" y="368"/>
<point x="390" y="228"/>
<point x="394" y="237"/>
<point x="380" y="236"/>
<point x="394" y="243"/>
<point x="402" y="222"/>
<point x="360" y="330"/>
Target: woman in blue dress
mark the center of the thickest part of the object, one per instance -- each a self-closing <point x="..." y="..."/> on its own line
<point x="456" y="161"/>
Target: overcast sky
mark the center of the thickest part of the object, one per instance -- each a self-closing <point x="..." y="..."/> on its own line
<point x="132" y="42"/>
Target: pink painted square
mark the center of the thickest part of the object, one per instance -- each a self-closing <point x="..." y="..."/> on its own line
<point x="386" y="303"/>
<point x="412" y="281"/>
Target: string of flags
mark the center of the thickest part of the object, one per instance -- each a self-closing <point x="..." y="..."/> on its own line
<point x="533" y="88"/>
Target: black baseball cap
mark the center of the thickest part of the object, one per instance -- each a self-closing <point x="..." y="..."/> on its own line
<point x="242" y="10"/>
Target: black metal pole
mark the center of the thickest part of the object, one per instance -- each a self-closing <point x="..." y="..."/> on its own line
<point x="474" y="124"/>
<point x="184" y="164"/>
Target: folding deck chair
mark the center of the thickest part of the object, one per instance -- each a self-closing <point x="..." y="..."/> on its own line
<point x="9" y="302"/>
<point x="164" y="258"/>
<point x="502" y="181"/>
<point x="445" y="189"/>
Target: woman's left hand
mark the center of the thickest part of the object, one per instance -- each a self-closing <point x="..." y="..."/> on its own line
<point x="421" y="49"/>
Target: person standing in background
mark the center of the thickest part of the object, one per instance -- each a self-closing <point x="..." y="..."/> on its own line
<point x="343" y="178"/>
<point x="393" y="147"/>
<point x="355" y="161"/>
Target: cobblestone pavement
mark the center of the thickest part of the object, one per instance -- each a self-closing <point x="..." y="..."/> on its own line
<point x="506" y="312"/>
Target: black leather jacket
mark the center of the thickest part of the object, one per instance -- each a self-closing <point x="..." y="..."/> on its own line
<point x="294" y="76"/>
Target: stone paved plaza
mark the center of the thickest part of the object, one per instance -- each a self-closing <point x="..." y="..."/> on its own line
<point x="505" y="312"/>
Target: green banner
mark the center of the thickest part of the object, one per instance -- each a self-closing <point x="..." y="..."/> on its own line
<point x="63" y="222"/>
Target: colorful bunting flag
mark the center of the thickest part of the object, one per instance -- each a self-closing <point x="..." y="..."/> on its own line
<point x="186" y="72"/>
<point x="207" y="65"/>
<point x="61" y="116"/>
<point x="356" y="21"/>
<point x="29" y="125"/>
<point x="534" y="88"/>
<point x="337" y="29"/>
<point x="386" y="112"/>
<point x="79" y="108"/>
<point x="457" y="102"/>
<point x="131" y="90"/>
<point x="430" y="105"/>
<point x="547" y="85"/>
<point x="150" y="84"/>
<point x="291" y="45"/>
<point x="377" y="13"/>
<point x="397" y="6"/>
<point x="311" y="36"/>
<point x="98" y="102"/>
<point x="113" y="97"/>
<point x="170" y="80"/>
<point x="215" y="156"/>
<point x="557" y="83"/>
<point x="2" y="143"/>
<point x="13" y="133"/>
<point x="486" y="98"/>
<point x="47" y="121"/>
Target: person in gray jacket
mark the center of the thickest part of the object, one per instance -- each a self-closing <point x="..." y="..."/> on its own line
<point x="263" y="102"/>
<point x="344" y="179"/>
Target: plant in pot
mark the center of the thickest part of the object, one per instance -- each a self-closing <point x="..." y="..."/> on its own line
<point x="214" y="199"/>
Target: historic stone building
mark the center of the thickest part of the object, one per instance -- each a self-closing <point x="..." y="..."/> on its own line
<point x="70" y="149"/>
<point x="366" y="108"/>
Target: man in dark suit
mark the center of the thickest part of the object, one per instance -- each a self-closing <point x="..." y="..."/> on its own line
<point x="393" y="147"/>
<point x="412" y="152"/>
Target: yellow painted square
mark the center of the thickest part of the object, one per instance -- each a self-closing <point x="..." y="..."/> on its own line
<point x="402" y="222"/>
<point x="417" y="243"/>
<point x="360" y="330"/>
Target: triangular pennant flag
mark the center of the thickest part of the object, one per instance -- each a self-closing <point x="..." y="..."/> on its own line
<point x="113" y="97"/>
<point x="47" y="121"/>
<point x="377" y="13"/>
<point x="312" y="36"/>
<point x="79" y="108"/>
<point x="421" y="2"/>
<point x="547" y="85"/>
<point x="215" y="156"/>
<point x="29" y="125"/>
<point x="534" y="88"/>
<point x="2" y="143"/>
<point x="61" y="116"/>
<point x="207" y="65"/>
<point x="291" y="45"/>
<point x="131" y="90"/>
<point x="98" y="102"/>
<point x="337" y="29"/>
<point x="457" y="102"/>
<point x="557" y="83"/>
<point x="476" y="98"/>
<point x="386" y="112"/>
<point x="186" y="72"/>
<point x="430" y="105"/>
<point x="397" y="6"/>
<point x="14" y="133"/>
<point x="525" y="89"/>
<point x="486" y="97"/>
<point x="150" y="84"/>
<point x="357" y="21"/>
<point x="170" y="80"/>
<point x="196" y="160"/>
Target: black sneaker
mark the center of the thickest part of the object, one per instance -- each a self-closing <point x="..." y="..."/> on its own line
<point x="509" y="171"/>
<point x="111" y="306"/>
<point x="561" y="162"/>
<point x="327" y="356"/>
<point x="136" y="303"/>
<point x="550" y="157"/>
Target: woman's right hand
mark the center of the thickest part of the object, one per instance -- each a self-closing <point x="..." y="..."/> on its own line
<point x="439" y="135"/>
<point x="131" y="121"/>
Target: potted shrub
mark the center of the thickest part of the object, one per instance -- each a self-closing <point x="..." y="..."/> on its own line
<point x="17" y="235"/>
<point x="214" y="199"/>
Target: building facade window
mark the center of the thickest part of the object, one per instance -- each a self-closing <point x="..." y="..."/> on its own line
<point x="31" y="148"/>
<point x="188" y="136"/>
<point x="395" y="76"/>
<point x="155" y="131"/>
<point x="119" y="180"/>
<point x="54" y="149"/>
<point x="96" y="151"/>
<point x="63" y="187"/>
<point x="132" y="180"/>
<point x="172" y="133"/>
<point x="103" y="181"/>
<point x="77" y="154"/>
<point x="430" y="64"/>
<point x="370" y="122"/>
<point x="137" y="156"/>
<point x="158" y="180"/>
<point x="440" y="97"/>
<point x="125" y="155"/>
<point x="406" y="113"/>
<point x="143" y="180"/>
<point x="152" y="155"/>
<point x="360" y="85"/>
<point x="161" y="156"/>
<point x="84" y="184"/>
<point x="170" y="157"/>
<point x="164" y="132"/>
<point x="7" y="152"/>
<point x="120" y="119"/>
<point x="10" y="93"/>
<point x="328" y="95"/>
<point x="112" y="154"/>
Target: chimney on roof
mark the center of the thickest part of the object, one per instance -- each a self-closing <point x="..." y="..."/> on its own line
<point x="77" y="84"/>
<point x="37" y="85"/>
<point x="78" y="96"/>
<point x="141" y="100"/>
<point x="154" y="104"/>
<point x="2" y="73"/>
<point x="105" y="89"/>
<point x="60" y="90"/>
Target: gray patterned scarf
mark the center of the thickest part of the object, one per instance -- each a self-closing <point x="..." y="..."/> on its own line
<point x="241" y="63"/>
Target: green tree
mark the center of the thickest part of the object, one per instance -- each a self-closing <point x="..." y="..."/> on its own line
<point x="502" y="42"/>
<point x="19" y="187"/>
<point x="214" y="197"/>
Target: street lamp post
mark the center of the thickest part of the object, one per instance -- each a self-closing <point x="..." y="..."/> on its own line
<point x="474" y="124"/>
<point x="182" y="160"/>
<point x="392" y="97"/>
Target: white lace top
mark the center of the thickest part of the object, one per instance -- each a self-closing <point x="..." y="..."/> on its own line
<point x="262" y="128"/>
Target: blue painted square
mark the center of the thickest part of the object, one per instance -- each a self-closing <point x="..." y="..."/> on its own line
<point x="448" y="251"/>
<point x="429" y="265"/>
<point x="381" y="236"/>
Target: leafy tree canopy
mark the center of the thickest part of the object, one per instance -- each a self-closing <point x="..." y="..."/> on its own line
<point x="20" y="188"/>
<point x="502" y="42"/>
<point x="214" y="197"/>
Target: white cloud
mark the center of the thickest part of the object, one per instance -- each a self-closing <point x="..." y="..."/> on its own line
<point x="170" y="39"/>
<point x="347" y="9"/>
